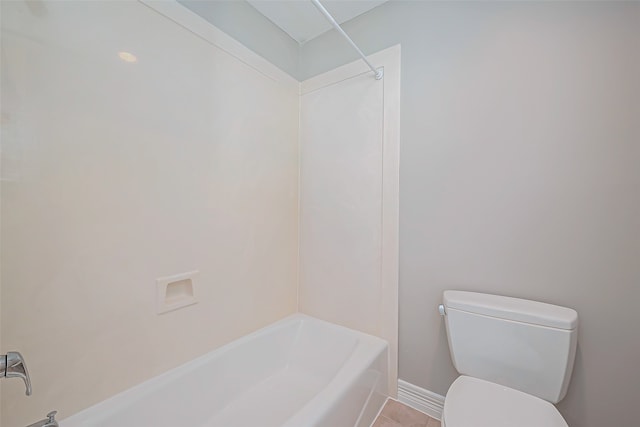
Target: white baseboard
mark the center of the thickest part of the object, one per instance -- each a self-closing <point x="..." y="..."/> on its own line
<point x="423" y="400"/>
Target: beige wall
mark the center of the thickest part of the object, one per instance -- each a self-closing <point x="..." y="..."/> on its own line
<point x="520" y="146"/>
<point x="115" y="174"/>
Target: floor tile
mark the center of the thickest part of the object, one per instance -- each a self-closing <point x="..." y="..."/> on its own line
<point x="433" y="423"/>
<point x="404" y="415"/>
<point x="383" y="421"/>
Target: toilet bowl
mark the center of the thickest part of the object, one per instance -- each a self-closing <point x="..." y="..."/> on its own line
<point x="515" y="358"/>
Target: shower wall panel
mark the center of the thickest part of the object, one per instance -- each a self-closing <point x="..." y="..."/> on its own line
<point x="341" y="202"/>
<point x="115" y="173"/>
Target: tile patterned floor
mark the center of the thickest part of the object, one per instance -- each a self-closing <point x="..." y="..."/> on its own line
<point x="396" y="414"/>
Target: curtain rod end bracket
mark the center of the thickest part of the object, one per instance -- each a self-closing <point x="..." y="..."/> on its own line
<point x="379" y="74"/>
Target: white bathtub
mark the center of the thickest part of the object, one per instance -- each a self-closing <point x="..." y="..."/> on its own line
<point x="298" y="372"/>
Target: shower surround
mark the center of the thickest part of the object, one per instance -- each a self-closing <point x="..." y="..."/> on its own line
<point x="141" y="142"/>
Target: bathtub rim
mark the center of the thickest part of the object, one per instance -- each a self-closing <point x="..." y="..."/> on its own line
<point x="365" y="353"/>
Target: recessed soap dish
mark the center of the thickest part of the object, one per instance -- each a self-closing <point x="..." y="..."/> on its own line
<point x="174" y="292"/>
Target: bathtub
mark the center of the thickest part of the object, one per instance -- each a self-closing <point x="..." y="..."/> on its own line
<point x="297" y="372"/>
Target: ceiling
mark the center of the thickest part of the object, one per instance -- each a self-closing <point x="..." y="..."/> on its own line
<point x="302" y="21"/>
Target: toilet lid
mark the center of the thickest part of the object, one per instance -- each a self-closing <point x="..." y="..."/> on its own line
<point x="472" y="402"/>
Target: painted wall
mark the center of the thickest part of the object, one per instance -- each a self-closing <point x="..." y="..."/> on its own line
<point x="519" y="175"/>
<point x="114" y="174"/>
<point x="244" y="23"/>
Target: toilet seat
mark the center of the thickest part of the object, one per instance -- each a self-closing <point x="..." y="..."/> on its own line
<point x="472" y="402"/>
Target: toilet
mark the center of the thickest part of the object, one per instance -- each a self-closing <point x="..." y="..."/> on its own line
<point x="515" y="359"/>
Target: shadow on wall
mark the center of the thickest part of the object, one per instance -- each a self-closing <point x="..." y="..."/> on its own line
<point x="576" y="394"/>
<point x="442" y="358"/>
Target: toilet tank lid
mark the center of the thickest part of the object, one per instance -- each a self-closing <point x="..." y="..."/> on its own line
<point x="516" y="309"/>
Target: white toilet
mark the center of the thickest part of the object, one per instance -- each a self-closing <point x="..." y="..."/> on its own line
<point x="515" y="358"/>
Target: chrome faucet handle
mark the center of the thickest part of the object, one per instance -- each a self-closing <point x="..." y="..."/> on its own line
<point x="51" y="419"/>
<point x="12" y="365"/>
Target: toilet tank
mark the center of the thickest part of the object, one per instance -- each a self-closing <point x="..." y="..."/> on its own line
<point x="522" y="344"/>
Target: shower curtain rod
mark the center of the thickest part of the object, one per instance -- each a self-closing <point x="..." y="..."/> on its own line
<point x="325" y="12"/>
